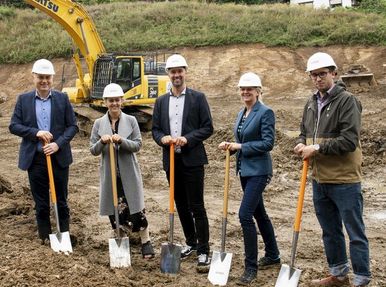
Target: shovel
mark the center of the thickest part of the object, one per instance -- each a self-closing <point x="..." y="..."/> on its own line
<point x="170" y="252"/>
<point x="60" y="242"/>
<point x="289" y="276"/>
<point x="119" y="247"/>
<point x="221" y="261"/>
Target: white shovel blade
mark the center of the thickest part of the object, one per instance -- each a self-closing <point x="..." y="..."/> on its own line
<point x="61" y="242"/>
<point x="219" y="269"/>
<point x="119" y="250"/>
<point x="286" y="279"/>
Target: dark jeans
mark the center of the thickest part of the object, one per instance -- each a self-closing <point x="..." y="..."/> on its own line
<point x="39" y="183"/>
<point x="252" y="206"/>
<point x="189" y="198"/>
<point x="334" y="204"/>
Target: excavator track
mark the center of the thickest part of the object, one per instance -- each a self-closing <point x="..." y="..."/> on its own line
<point x="87" y="115"/>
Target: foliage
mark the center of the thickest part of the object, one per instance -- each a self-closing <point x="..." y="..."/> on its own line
<point x="373" y="6"/>
<point x="123" y="27"/>
<point x="6" y="12"/>
<point x="14" y="3"/>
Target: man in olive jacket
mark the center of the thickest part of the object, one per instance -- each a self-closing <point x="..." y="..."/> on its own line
<point x="330" y="137"/>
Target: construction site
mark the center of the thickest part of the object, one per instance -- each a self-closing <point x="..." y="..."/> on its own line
<point x="214" y="71"/>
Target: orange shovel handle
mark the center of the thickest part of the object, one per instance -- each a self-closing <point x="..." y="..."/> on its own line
<point x="299" y="209"/>
<point x="171" y="180"/>
<point x="51" y="179"/>
<point x="226" y="184"/>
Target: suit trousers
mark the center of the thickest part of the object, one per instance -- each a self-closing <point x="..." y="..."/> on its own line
<point x="39" y="184"/>
<point x="189" y="198"/>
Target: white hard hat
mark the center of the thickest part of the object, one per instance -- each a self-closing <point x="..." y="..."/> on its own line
<point x="175" y="61"/>
<point x="320" y="60"/>
<point x="112" y="91"/>
<point x="249" y="80"/>
<point x="43" y="67"/>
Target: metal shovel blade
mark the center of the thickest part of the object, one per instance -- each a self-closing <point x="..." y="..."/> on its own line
<point x="170" y="258"/>
<point x="119" y="250"/>
<point x="288" y="277"/>
<point x="219" y="268"/>
<point x="61" y="242"/>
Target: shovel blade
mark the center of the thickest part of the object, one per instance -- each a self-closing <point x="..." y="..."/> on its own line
<point x="288" y="277"/>
<point x="61" y="242"/>
<point x="219" y="268"/>
<point x="170" y="258"/>
<point x="119" y="250"/>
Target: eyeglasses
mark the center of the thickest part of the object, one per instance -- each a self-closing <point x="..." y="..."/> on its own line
<point x="321" y="75"/>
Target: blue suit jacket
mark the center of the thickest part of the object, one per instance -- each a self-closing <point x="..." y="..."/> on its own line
<point x="257" y="138"/>
<point x="63" y="127"/>
<point x="196" y="127"/>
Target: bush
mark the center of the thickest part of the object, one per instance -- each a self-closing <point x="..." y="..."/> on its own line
<point x="6" y="12"/>
<point x="15" y="3"/>
<point x="373" y="6"/>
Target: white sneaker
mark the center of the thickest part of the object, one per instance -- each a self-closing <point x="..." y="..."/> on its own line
<point x="187" y="251"/>
<point x="203" y="263"/>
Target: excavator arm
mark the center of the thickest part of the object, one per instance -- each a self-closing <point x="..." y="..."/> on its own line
<point x="140" y="79"/>
<point x="79" y="25"/>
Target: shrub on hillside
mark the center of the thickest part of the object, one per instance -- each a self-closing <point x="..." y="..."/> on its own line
<point x="14" y="3"/>
<point x="373" y="6"/>
<point x="6" y="12"/>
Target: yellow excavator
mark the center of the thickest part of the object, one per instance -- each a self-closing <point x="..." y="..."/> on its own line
<point x="141" y="77"/>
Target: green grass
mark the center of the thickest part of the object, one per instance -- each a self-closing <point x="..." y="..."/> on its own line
<point x="123" y="27"/>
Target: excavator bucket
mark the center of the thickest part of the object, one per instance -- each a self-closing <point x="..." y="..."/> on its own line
<point x="362" y="79"/>
<point x="358" y="75"/>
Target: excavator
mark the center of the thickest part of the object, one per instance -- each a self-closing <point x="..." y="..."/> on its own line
<point x="142" y="77"/>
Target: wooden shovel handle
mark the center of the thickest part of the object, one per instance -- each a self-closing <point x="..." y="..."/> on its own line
<point x="226" y="184"/>
<point x="171" y="180"/>
<point x="302" y="188"/>
<point x="51" y="179"/>
<point x="113" y="174"/>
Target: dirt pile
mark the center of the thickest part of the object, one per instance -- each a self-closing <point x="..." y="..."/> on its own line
<point x="215" y="71"/>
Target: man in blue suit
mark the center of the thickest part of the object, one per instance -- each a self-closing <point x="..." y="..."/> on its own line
<point x="182" y="116"/>
<point x="46" y="122"/>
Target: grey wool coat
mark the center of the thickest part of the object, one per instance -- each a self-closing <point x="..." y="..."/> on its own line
<point x="130" y="172"/>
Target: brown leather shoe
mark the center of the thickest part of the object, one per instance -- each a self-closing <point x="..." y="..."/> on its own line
<point x="331" y="281"/>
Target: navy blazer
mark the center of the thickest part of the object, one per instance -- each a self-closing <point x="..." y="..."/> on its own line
<point x="257" y="138"/>
<point x="63" y="127"/>
<point x="197" y="126"/>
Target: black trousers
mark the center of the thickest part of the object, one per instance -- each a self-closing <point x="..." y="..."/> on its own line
<point x="189" y="198"/>
<point x="39" y="183"/>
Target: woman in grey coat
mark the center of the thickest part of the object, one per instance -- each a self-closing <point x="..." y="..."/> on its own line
<point x="123" y="131"/>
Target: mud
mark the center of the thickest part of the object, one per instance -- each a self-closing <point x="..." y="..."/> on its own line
<point x="215" y="71"/>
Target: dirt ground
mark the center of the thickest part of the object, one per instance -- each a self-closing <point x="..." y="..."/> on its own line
<point x="215" y="71"/>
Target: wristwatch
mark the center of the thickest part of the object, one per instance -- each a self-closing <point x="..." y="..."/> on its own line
<point x="316" y="147"/>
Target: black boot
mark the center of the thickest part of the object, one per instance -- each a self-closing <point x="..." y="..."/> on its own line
<point x="248" y="277"/>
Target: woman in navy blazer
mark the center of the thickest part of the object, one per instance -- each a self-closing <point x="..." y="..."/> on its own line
<point x="254" y="132"/>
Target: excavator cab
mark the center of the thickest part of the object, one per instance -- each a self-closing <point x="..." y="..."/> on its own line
<point x="110" y="69"/>
<point x="140" y="80"/>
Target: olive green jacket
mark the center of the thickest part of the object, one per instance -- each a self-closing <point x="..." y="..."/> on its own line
<point x="337" y="132"/>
